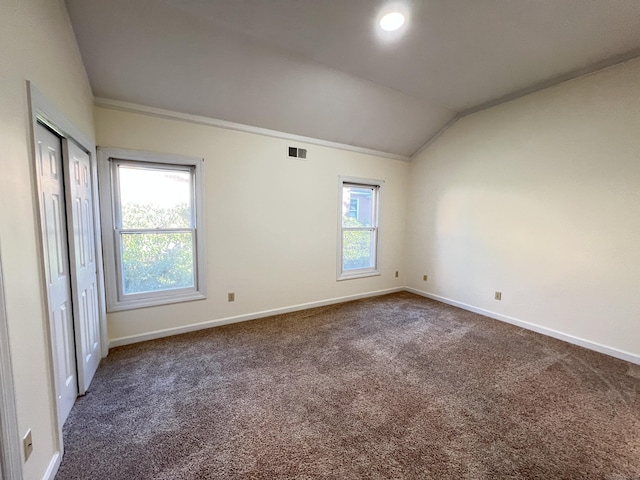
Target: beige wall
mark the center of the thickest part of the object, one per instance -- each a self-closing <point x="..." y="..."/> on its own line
<point x="37" y="44"/>
<point x="538" y="198"/>
<point x="271" y="221"/>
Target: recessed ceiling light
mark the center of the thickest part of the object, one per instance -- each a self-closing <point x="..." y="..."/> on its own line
<point x="392" y="21"/>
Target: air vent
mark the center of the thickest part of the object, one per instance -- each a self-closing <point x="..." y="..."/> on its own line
<point x="297" y="152"/>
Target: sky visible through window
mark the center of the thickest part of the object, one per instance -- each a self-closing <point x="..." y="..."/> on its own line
<point x="150" y="186"/>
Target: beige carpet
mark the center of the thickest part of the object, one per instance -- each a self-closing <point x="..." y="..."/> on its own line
<point x="392" y="387"/>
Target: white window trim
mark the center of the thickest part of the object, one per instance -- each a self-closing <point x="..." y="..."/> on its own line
<point x="361" y="272"/>
<point x="116" y="301"/>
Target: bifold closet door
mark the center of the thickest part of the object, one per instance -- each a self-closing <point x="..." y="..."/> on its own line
<point x="84" y="276"/>
<point x="53" y="211"/>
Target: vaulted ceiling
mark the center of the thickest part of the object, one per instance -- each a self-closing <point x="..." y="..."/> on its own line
<point x="324" y="69"/>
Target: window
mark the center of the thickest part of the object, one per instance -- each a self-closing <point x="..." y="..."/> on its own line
<point x="152" y="228"/>
<point x="359" y="236"/>
<point x="353" y="207"/>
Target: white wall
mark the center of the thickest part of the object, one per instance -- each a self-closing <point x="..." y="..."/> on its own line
<point x="538" y="198"/>
<point x="37" y="44"/>
<point x="271" y="221"/>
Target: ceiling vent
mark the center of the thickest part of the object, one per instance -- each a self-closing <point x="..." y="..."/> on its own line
<point x="297" y="152"/>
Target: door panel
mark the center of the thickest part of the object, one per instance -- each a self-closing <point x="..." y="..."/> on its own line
<point x="66" y="360"/>
<point x="48" y="151"/>
<point x="84" y="278"/>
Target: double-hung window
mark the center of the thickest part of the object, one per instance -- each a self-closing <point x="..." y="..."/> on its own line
<point x="152" y="217"/>
<point x="358" y="243"/>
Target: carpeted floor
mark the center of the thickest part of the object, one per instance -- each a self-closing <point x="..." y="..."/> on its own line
<point x="391" y="387"/>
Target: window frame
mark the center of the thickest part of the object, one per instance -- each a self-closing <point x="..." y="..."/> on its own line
<point x="108" y="160"/>
<point x="376" y="185"/>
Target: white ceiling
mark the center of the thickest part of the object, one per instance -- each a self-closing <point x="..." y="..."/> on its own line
<point x="322" y="69"/>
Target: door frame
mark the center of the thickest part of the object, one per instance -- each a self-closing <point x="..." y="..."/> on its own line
<point x="45" y="112"/>
<point x="10" y="456"/>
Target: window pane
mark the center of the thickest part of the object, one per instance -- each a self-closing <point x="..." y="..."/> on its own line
<point x="357" y="206"/>
<point x="157" y="261"/>
<point x="154" y="197"/>
<point x="358" y="250"/>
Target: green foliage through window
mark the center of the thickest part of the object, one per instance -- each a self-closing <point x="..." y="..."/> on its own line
<point x="356" y="246"/>
<point x="153" y="261"/>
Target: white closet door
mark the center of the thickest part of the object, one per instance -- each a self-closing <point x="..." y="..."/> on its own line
<point x="84" y="279"/>
<point x="49" y="158"/>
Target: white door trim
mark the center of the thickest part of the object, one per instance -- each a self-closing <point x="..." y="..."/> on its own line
<point x="10" y="457"/>
<point x="46" y="112"/>
<point x="42" y="110"/>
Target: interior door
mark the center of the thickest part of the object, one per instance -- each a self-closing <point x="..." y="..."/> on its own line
<point x="84" y="278"/>
<point x="49" y="162"/>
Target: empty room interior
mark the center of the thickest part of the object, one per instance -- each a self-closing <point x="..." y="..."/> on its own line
<point x="320" y="239"/>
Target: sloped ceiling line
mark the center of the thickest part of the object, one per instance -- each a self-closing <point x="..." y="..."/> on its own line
<point x="202" y="120"/>
<point x="214" y="122"/>
<point x="552" y="82"/>
<point x="321" y="70"/>
<point x="574" y="75"/>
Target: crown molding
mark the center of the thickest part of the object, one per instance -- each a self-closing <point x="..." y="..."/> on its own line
<point x="552" y="82"/>
<point x="239" y="127"/>
<point x="557" y="80"/>
<point x="435" y="136"/>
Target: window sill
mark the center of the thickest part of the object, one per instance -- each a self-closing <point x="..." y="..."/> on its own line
<point x="155" y="302"/>
<point x="359" y="274"/>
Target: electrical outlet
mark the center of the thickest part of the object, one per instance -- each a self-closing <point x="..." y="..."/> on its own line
<point x="27" y="444"/>
<point x="498" y="296"/>
<point x="231" y="297"/>
<point x="425" y="277"/>
<point x="396" y="273"/>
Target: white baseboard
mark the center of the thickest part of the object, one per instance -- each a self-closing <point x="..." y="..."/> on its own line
<point x="116" y="342"/>
<point x="53" y="467"/>
<point x="613" y="352"/>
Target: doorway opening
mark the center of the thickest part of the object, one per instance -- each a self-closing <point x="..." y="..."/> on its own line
<point x="66" y="184"/>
